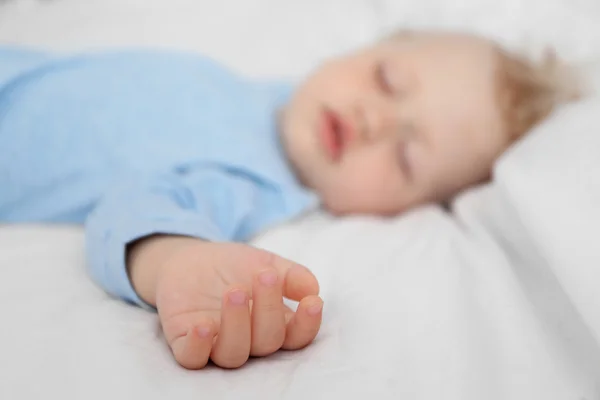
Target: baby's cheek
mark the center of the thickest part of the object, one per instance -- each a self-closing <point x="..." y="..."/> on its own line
<point x="365" y="191"/>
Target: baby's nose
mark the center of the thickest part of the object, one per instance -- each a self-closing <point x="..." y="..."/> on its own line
<point x="379" y="122"/>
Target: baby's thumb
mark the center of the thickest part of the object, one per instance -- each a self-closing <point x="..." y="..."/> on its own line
<point x="299" y="283"/>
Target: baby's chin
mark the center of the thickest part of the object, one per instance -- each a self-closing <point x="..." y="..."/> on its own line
<point x="341" y="206"/>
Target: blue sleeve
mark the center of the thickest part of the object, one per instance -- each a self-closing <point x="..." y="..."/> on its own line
<point x="211" y="204"/>
<point x="17" y="62"/>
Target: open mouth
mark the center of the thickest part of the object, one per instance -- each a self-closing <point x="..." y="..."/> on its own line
<point x="334" y="134"/>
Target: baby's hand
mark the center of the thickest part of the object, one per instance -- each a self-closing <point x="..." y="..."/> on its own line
<point x="224" y="302"/>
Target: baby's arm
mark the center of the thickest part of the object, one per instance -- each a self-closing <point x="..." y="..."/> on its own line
<point x="175" y="234"/>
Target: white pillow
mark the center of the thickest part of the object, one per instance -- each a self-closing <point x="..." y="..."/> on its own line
<point x="552" y="180"/>
<point x="543" y="210"/>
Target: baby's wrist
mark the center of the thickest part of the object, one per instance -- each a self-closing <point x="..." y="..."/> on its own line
<point x="147" y="257"/>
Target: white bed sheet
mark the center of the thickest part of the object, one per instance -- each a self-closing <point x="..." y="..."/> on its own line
<point x="497" y="301"/>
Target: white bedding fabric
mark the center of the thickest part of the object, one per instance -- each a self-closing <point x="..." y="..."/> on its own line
<point x="496" y="301"/>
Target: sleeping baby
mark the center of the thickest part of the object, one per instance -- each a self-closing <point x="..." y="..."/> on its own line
<point x="173" y="162"/>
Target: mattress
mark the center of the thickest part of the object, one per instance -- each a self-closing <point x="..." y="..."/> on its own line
<point x="495" y="299"/>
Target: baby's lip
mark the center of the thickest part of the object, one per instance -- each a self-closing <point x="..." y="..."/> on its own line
<point x="335" y="133"/>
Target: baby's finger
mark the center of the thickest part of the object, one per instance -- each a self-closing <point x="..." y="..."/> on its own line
<point x="268" y="323"/>
<point x="304" y="324"/>
<point x="232" y="347"/>
<point x="192" y="351"/>
<point x="299" y="281"/>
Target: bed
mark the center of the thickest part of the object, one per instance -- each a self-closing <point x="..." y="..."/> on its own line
<point x="496" y="299"/>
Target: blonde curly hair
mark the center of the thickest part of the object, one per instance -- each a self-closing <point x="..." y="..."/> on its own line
<point x="529" y="91"/>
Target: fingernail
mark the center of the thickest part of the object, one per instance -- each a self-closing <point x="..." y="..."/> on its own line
<point x="203" y="331"/>
<point x="237" y="297"/>
<point x="314" y="310"/>
<point x="268" y="278"/>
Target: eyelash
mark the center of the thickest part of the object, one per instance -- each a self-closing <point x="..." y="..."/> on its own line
<point x="403" y="160"/>
<point x="408" y="131"/>
<point x="382" y="80"/>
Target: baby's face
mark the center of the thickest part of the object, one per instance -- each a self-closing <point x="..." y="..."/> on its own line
<point x="401" y="123"/>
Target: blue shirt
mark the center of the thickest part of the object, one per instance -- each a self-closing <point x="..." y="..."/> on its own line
<point x="135" y="143"/>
